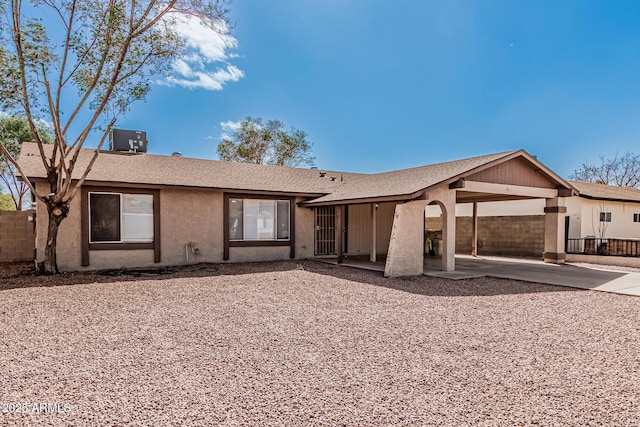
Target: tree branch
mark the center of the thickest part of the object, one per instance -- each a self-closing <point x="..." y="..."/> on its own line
<point x="8" y="156"/>
<point x="17" y="40"/>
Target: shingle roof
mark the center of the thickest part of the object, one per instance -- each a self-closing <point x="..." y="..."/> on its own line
<point x="189" y="172"/>
<point x="606" y="192"/>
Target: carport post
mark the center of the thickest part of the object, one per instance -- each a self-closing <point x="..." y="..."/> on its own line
<point x="339" y="232"/>
<point x="374" y="216"/>
<point x="474" y="231"/>
<point x="554" y="213"/>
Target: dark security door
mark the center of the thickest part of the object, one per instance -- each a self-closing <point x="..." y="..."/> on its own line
<point x="325" y="220"/>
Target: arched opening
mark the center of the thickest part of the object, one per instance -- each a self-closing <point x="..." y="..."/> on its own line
<point x="435" y="220"/>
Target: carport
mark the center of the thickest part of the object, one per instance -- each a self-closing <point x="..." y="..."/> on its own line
<point x="513" y="175"/>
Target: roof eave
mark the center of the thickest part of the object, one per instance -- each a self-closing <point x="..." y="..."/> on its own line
<point x="364" y="200"/>
<point x="608" y="199"/>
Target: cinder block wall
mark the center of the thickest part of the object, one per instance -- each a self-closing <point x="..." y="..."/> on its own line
<point x="499" y="235"/>
<point x="17" y="241"/>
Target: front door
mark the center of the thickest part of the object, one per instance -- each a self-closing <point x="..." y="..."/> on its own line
<point x="325" y="221"/>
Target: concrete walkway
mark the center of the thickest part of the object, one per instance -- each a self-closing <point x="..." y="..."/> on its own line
<point x="540" y="272"/>
<point x="468" y="267"/>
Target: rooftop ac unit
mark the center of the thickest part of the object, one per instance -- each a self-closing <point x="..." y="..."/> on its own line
<point x="133" y="141"/>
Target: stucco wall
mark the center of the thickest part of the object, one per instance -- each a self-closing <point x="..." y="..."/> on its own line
<point x="191" y="216"/>
<point x="507" y="208"/>
<point x="186" y="216"/>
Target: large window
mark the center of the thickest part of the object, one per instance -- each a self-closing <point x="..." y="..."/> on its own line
<point x="258" y="219"/>
<point x="120" y="218"/>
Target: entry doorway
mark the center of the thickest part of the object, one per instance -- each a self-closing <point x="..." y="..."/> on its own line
<point x="325" y="235"/>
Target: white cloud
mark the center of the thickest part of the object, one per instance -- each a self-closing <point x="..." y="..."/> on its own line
<point x="211" y="80"/>
<point x="206" y="46"/>
<point x="228" y="128"/>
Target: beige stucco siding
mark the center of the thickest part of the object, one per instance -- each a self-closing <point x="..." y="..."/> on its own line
<point x="510" y="208"/>
<point x="191" y="216"/>
<point x="185" y="216"/>
<point x="359" y="228"/>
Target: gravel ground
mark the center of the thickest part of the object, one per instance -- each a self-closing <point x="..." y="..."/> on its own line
<point x="313" y="344"/>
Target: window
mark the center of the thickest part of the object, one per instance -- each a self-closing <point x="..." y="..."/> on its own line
<point x="120" y="218"/>
<point x="258" y="219"/>
<point x="636" y="217"/>
<point x="605" y="216"/>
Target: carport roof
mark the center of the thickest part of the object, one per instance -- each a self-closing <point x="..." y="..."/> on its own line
<point x="410" y="183"/>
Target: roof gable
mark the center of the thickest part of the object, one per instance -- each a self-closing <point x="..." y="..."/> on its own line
<point x="517" y="171"/>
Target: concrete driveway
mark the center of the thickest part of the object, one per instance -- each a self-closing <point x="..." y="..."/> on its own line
<point x="537" y="271"/>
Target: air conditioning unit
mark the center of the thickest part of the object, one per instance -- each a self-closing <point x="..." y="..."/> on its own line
<point x="132" y="141"/>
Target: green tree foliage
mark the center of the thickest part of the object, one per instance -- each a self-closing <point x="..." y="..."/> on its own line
<point x="623" y="171"/>
<point x="6" y="203"/>
<point x="14" y="130"/>
<point x="266" y="143"/>
<point x="104" y="58"/>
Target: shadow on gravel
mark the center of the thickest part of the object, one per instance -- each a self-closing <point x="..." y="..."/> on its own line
<point x="22" y="275"/>
<point x="434" y="286"/>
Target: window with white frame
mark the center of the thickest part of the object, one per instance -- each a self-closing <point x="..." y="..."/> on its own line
<point x="636" y="217"/>
<point x="605" y="216"/>
<point x="258" y="219"/>
<point x="120" y="218"/>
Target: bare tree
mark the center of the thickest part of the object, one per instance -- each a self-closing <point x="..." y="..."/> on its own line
<point x="623" y="171"/>
<point x="14" y="130"/>
<point x="107" y="54"/>
<point x="266" y="143"/>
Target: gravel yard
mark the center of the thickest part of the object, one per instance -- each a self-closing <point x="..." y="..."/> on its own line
<point x="313" y="344"/>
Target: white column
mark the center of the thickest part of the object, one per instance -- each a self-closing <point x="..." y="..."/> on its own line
<point x="447" y="198"/>
<point x="404" y="256"/>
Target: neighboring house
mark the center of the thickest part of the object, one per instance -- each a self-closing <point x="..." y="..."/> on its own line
<point x="604" y="211"/>
<point x="140" y="209"/>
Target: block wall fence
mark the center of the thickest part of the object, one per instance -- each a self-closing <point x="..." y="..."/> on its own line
<point x="521" y="236"/>
<point x="17" y="236"/>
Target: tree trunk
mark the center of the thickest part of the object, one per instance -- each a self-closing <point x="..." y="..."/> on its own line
<point x="57" y="212"/>
<point x="20" y="201"/>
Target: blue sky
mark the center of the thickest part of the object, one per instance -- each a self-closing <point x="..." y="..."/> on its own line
<point x="383" y="85"/>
